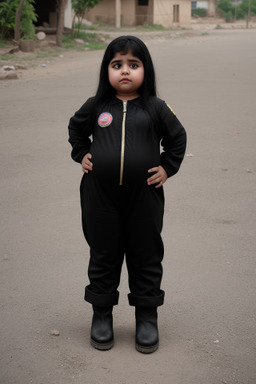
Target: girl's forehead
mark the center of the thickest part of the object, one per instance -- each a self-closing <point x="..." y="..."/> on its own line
<point x="127" y="56"/>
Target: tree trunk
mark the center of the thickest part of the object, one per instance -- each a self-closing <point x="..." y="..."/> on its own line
<point x="62" y="4"/>
<point x="17" y="21"/>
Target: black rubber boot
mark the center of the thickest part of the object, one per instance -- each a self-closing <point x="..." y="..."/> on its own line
<point x="147" y="339"/>
<point x="102" y="335"/>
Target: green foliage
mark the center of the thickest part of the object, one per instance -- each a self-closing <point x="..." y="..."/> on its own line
<point x="201" y="12"/>
<point x="226" y="10"/>
<point x="242" y="9"/>
<point x="8" y="10"/>
<point x="79" y="7"/>
<point x="7" y="17"/>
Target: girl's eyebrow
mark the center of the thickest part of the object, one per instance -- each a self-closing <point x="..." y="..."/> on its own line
<point x="129" y="60"/>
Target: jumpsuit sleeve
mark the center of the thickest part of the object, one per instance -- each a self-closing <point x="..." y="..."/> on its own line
<point x="173" y="141"/>
<point x="80" y="130"/>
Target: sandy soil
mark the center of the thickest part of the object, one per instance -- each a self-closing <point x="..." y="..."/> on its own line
<point x="207" y="325"/>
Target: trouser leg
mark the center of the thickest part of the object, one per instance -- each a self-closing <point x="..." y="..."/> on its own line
<point x="103" y="230"/>
<point x="144" y="254"/>
<point x="144" y="247"/>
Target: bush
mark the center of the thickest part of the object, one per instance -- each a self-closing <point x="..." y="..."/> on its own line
<point x="226" y="10"/>
<point x="242" y="9"/>
<point x="8" y="10"/>
<point x="201" y="12"/>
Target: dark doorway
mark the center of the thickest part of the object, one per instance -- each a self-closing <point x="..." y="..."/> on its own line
<point x="46" y="12"/>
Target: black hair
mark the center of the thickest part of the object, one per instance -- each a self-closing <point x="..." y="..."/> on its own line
<point x="124" y="44"/>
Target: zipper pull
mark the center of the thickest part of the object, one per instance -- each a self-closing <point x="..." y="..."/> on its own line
<point x="124" y="106"/>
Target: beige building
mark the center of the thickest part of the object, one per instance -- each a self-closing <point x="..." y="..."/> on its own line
<point x="168" y="13"/>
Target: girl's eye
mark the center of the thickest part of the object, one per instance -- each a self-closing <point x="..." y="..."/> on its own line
<point x="117" y="66"/>
<point x="134" y="66"/>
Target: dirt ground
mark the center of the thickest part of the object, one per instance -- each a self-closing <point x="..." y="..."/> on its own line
<point x="208" y="322"/>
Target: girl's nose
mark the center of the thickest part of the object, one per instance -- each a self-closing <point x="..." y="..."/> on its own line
<point x="125" y="70"/>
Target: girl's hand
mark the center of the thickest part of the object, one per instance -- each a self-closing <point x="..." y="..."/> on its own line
<point x="159" y="177"/>
<point x="87" y="165"/>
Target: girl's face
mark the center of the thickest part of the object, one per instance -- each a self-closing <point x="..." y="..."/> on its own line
<point x="126" y="75"/>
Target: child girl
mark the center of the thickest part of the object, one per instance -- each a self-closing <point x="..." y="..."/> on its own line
<point x="122" y="197"/>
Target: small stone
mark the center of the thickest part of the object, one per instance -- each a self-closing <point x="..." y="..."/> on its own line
<point x="79" y="41"/>
<point x="87" y="22"/>
<point x="41" y="36"/>
<point x="55" y="332"/>
<point x="8" y="68"/>
<point x="20" y="66"/>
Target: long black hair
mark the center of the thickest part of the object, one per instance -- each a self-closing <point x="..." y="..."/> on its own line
<point x="123" y="45"/>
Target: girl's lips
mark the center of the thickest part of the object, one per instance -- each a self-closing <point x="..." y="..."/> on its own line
<point x="124" y="80"/>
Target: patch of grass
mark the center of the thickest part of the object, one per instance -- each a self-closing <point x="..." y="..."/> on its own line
<point x="67" y="42"/>
<point x="151" y="27"/>
<point x="94" y="46"/>
<point x="97" y="27"/>
<point x="29" y="58"/>
<point x="92" y="41"/>
<point x="40" y="56"/>
<point x="107" y="27"/>
<point x="3" y="43"/>
<point x="6" y="57"/>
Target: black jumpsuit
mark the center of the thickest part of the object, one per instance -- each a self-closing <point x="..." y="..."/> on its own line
<point x="121" y="214"/>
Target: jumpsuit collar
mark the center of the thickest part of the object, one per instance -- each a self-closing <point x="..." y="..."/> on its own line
<point x="115" y="100"/>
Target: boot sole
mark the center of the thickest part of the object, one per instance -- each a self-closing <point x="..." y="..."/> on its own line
<point x="102" y="347"/>
<point x="143" y="349"/>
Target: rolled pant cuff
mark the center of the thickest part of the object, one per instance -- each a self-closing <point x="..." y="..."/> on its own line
<point x="146" y="301"/>
<point x="101" y="300"/>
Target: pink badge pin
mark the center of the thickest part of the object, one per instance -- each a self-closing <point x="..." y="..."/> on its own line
<point x="105" y="119"/>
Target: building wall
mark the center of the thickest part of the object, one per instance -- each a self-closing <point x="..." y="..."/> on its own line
<point x="68" y="15"/>
<point x="128" y="12"/>
<point x="211" y="11"/>
<point x="164" y="13"/>
<point x="144" y="14"/>
<point x="104" y="12"/>
<point x="157" y="12"/>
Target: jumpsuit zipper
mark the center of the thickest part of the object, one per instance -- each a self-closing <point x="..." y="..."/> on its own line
<point x="123" y="143"/>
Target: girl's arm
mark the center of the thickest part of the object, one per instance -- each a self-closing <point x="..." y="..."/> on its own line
<point x="80" y="130"/>
<point x="173" y="141"/>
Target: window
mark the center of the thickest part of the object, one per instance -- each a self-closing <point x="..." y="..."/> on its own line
<point x="142" y="2"/>
<point x="176" y="13"/>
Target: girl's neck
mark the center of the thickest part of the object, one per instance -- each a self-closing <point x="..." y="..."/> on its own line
<point x="125" y="97"/>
